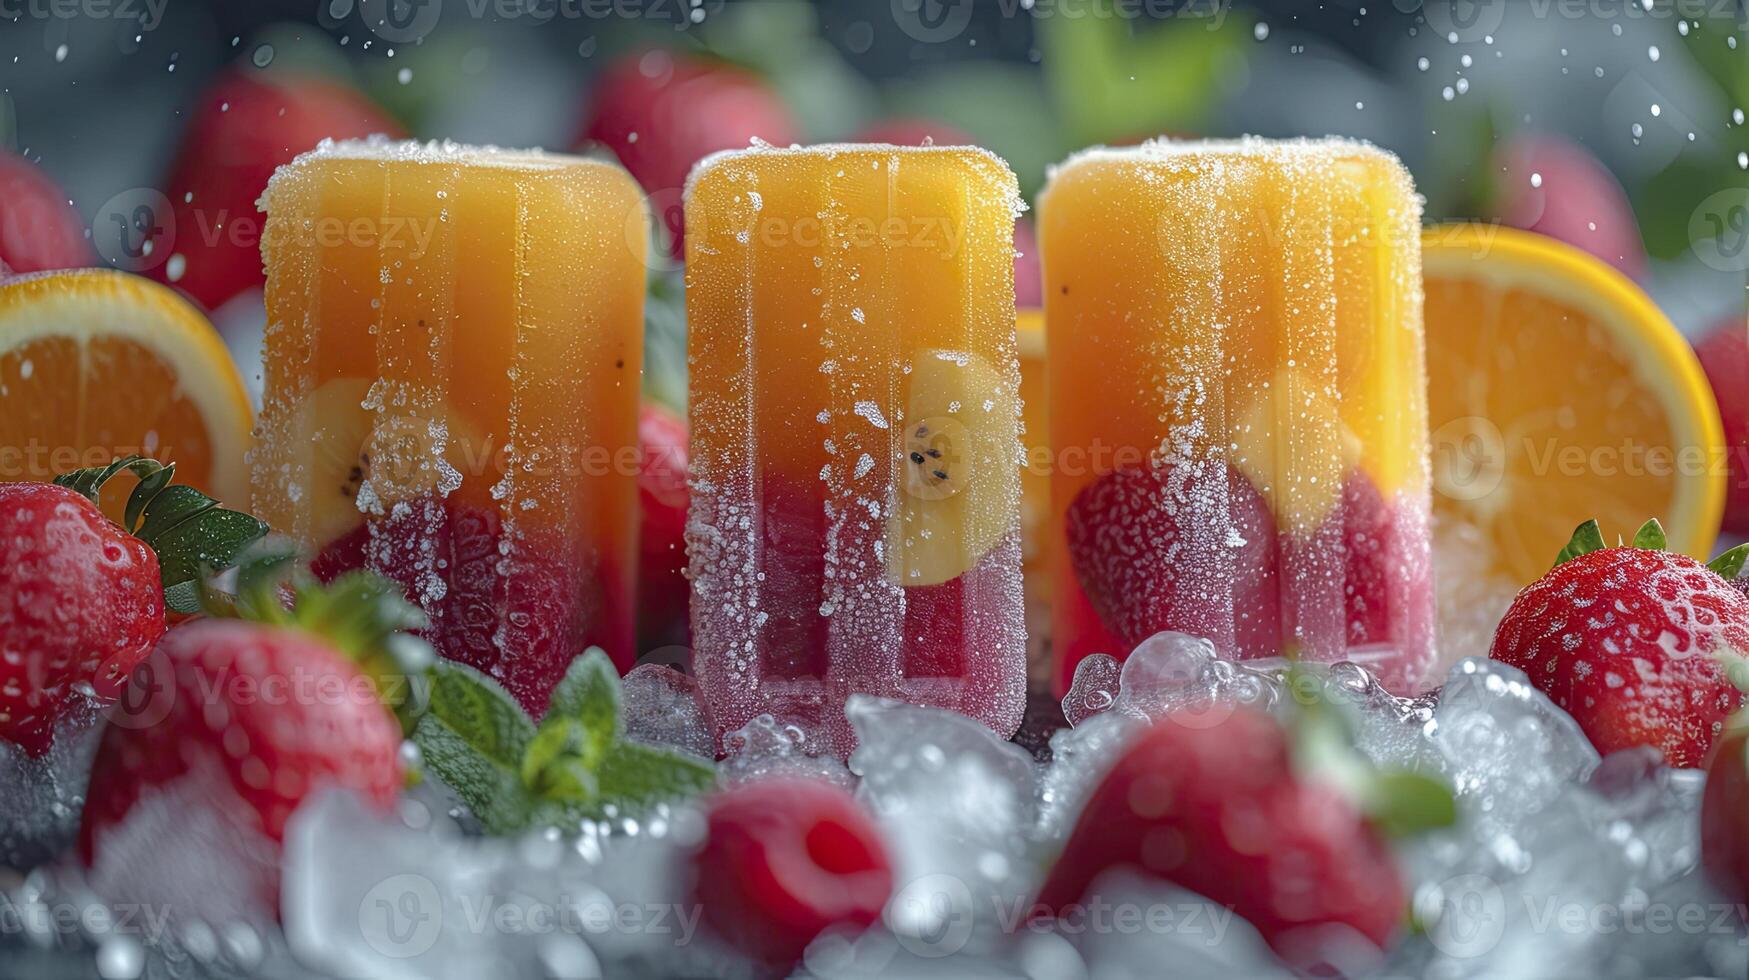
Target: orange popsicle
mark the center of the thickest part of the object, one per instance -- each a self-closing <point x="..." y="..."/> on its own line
<point x="452" y="363"/>
<point x="855" y="523"/>
<point x="1238" y="403"/>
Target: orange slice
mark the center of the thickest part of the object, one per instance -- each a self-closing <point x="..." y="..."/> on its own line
<point x="1557" y="392"/>
<point x="96" y="364"/>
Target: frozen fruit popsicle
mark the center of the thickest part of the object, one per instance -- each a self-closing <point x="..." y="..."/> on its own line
<point x="452" y="363"/>
<point x="1238" y="407"/>
<point x="855" y="451"/>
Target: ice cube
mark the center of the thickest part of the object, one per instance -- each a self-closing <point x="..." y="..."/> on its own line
<point x="41" y="798"/>
<point x="662" y="707"/>
<point x="767" y="747"/>
<point x="1080" y="758"/>
<point x="189" y="848"/>
<point x="1152" y="928"/>
<point x="957" y="807"/>
<point x="1094" y="688"/>
<point x="1508" y="749"/>
<point x="368" y="896"/>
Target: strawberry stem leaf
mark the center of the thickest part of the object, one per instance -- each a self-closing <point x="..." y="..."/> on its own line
<point x="1730" y="564"/>
<point x="1651" y="536"/>
<point x="1587" y="537"/>
<point x="191" y="534"/>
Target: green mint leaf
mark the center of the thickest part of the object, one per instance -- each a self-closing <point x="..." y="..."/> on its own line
<point x="560" y="744"/>
<point x="1650" y="536"/>
<point x="1587" y="537"/>
<point x="474" y="736"/>
<point x="1402" y="804"/>
<point x="1730" y="564"/>
<point x="635" y="776"/>
<point x="210" y="540"/>
<point x="589" y="693"/>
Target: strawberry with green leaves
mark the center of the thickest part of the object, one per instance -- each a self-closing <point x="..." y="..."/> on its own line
<point x="576" y="765"/>
<point x="1290" y="833"/>
<point x="82" y="599"/>
<point x="291" y="688"/>
<point x="1638" y="644"/>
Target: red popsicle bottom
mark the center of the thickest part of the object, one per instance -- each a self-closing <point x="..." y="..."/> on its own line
<point x="1195" y="548"/>
<point x="515" y="603"/>
<point x="793" y="618"/>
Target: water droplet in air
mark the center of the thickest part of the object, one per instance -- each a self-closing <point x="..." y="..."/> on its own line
<point x="1261" y="31"/>
<point x="263" y="56"/>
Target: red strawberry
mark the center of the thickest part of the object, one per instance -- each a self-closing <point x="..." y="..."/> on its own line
<point x="273" y="711"/>
<point x="1633" y="642"/>
<point x="662" y="112"/>
<point x="244" y="126"/>
<point x="522" y="629"/>
<point x="1724" y="815"/>
<point x="39" y="229"/>
<point x="664" y="595"/>
<point x="1555" y="187"/>
<point x="1131" y="556"/>
<point x="1724" y="354"/>
<point x="1220" y="810"/>
<point x="783" y="860"/>
<point x="80" y="605"/>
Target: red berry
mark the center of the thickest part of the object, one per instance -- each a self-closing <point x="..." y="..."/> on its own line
<point x="1219" y="810"/>
<point x="785" y="859"/>
<point x="520" y="618"/>
<point x="1724" y="816"/>
<point x="794" y="639"/>
<point x="664" y="594"/>
<point x="244" y="126"/>
<point x="39" y="229"/>
<point x="1724" y="354"/>
<point x="1628" y="641"/>
<point x="660" y="113"/>
<point x="1555" y="187"/>
<point x="80" y="605"/>
<point x="276" y="713"/>
<point x="1134" y="559"/>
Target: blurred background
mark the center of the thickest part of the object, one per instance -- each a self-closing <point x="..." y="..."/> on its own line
<point x="1630" y="111"/>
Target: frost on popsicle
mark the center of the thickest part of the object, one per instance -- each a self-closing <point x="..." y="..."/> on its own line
<point x="452" y="356"/>
<point x="1254" y="422"/>
<point x="854" y="400"/>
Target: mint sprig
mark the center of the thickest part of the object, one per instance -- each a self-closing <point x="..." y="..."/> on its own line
<point x="574" y="766"/>
<point x="192" y="535"/>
